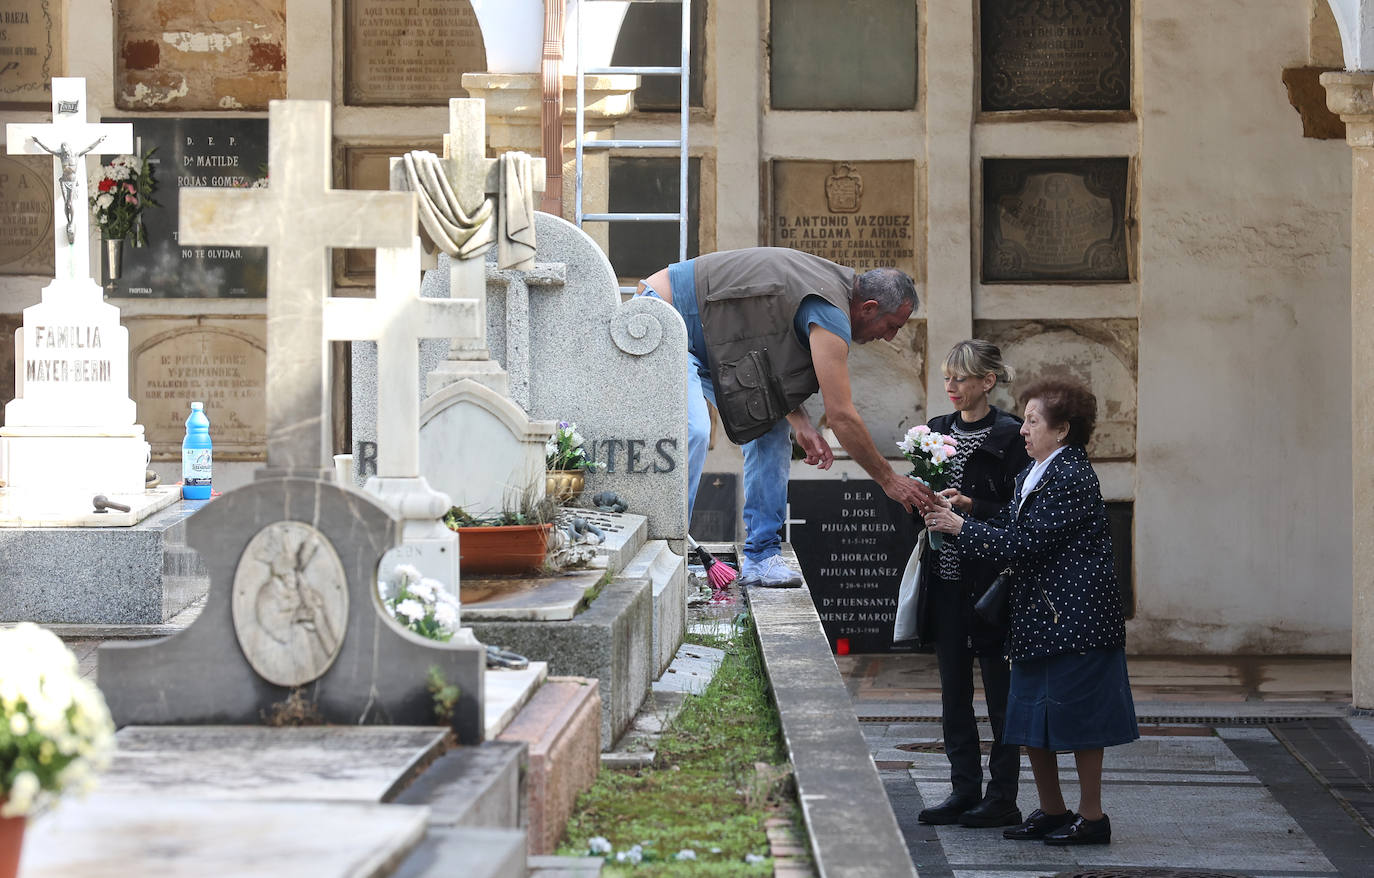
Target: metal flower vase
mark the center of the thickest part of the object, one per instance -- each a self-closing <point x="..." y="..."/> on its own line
<point x="111" y="258"/>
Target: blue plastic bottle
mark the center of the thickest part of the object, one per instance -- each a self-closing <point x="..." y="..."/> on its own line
<point x="195" y="455"/>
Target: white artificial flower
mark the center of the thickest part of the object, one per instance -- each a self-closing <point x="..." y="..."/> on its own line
<point x="751" y="859"/>
<point x="447" y="617"/>
<point x="599" y="845"/>
<point x="411" y="609"/>
<point x="22" y="793"/>
<point x="424" y="590"/>
<point x="447" y="597"/>
<point x="685" y="854"/>
<point x="104" y="200"/>
<point x="407" y="573"/>
<point x="907" y="445"/>
<point x="930" y="441"/>
<point x="577" y="440"/>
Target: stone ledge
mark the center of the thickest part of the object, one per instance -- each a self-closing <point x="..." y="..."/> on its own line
<point x="479" y="786"/>
<point x="853" y="831"/>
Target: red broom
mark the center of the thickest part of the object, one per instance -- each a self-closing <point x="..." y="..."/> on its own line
<point x="718" y="573"/>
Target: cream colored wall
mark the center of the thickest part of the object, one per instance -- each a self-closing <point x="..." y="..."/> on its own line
<point x="1243" y="498"/>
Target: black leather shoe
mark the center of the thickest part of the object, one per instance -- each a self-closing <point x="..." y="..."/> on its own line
<point x="1082" y="831"/>
<point x="948" y="811"/>
<point x="1038" y="825"/>
<point x="991" y="812"/>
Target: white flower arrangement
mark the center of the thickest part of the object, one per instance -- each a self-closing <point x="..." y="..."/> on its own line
<point x="420" y="604"/>
<point x="55" y="730"/>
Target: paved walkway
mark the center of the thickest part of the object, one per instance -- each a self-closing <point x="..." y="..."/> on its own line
<point x="1248" y="766"/>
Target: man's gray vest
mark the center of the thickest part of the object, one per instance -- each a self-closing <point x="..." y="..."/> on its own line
<point x="748" y="300"/>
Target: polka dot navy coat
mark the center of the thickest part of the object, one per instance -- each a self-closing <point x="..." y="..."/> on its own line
<point x="1065" y="597"/>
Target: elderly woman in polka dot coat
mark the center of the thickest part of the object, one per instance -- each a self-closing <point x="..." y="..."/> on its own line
<point x="1066" y="642"/>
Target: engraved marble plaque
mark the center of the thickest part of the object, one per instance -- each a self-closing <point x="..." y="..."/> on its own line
<point x="1047" y="220"/>
<point x="410" y="52"/>
<point x="1056" y="54"/>
<point x="222" y="363"/>
<point x="290" y="603"/>
<point x="30" y="51"/>
<point x="860" y="214"/>
<point x="26" y="205"/>
<point x="825" y="55"/>
<point x="1102" y="353"/>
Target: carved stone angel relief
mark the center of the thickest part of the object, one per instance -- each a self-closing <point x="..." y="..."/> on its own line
<point x="290" y="603"/>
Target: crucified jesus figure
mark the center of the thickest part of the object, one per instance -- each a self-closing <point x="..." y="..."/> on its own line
<point x="67" y="180"/>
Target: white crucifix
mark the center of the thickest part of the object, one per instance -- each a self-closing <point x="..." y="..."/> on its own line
<point x="69" y="139"/>
<point x="397" y="319"/>
<point x="299" y="218"/>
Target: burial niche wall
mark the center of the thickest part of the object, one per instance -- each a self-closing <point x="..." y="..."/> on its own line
<point x="651" y="185"/>
<point x="409" y="52"/>
<point x="1055" y="54"/>
<point x="26" y="215"/>
<point x="30" y="52"/>
<point x="367" y="167"/>
<point x="1056" y="220"/>
<point x="199" y="54"/>
<point x="825" y="55"/>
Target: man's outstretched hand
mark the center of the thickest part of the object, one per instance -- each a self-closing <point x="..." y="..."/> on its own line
<point x="910" y="493"/>
<point x="818" y="452"/>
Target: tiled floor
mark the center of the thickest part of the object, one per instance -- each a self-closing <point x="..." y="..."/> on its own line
<point x="1221" y="792"/>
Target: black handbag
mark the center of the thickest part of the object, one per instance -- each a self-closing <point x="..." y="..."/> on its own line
<point x="995" y="604"/>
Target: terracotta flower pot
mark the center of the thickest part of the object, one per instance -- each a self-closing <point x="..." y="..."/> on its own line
<point x="564" y="485"/>
<point x="515" y="548"/>
<point x="11" y="841"/>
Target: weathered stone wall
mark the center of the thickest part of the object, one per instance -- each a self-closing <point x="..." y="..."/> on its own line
<point x="199" y="54"/>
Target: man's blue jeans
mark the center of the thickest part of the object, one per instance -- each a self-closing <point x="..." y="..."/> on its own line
<point x="767" y="461"/>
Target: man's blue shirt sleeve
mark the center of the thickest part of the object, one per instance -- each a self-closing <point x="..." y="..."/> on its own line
<point x="816" y="310"/>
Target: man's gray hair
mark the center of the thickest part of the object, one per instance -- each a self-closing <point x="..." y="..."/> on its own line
<point x="889" y="287"/>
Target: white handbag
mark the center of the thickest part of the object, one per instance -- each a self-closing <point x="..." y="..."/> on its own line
<point x="905" y="626"/>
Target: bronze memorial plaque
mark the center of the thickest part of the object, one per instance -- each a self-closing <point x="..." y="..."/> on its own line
<point x="223" y="363"/>
<point x="26" y="205"/>
<point x="1056" y="54"/>
<point x="1048" y="220"/>
<point x="30" y="51"/>
<point x="860" y="214"/>
<point x="410" y="52"/>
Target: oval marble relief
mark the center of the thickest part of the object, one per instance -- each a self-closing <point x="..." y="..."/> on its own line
<point x="290" y="603"/>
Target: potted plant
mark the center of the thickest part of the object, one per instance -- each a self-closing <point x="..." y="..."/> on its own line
<point x="55" y="731"/>
<point x="514" y="542"/>
<point x="566" y="464"/>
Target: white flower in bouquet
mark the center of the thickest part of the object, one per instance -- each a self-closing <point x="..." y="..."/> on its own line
<point x="411" y="609"/>
<point x="421" y="604"/>
<point x="446" y="615"/>
<point x="55" y="730"/>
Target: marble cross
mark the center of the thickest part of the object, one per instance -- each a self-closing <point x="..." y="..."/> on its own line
<point x="472" y="176"/>
<point x="397" y="319"/>
<point x="69" y="139"/>
<point x="298" y="217"/>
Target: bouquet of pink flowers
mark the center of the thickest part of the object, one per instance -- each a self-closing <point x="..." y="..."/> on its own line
<point x="929" y="453"/>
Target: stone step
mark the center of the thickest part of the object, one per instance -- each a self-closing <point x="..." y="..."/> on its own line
<point x="471" y="853"/>
<point x="667" y="571"/>
<point x="476" y="786"/>
<point x="561" y="726"/>
<point x="565" y="867"/>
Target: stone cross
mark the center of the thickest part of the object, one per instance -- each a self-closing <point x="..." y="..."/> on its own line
<point x="69" y="139"/>
<point x="397" y="319"/>
<point x="472" y="175"/>
<point x="298" y="217"/>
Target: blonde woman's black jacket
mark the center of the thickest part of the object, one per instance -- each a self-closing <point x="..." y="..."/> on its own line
<point x="990" y="480"/>
<point x="1065" y="597"/>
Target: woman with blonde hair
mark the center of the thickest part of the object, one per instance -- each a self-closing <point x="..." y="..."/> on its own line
<point x="982" y="477"/>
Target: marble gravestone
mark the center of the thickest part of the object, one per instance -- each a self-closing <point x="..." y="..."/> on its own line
<point x="70" y="431"/>
<point x="293" y="607"/>
<point x="573" y="351"/>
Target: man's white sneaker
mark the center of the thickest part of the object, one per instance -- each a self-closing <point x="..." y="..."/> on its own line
<point x="771" y="572"/>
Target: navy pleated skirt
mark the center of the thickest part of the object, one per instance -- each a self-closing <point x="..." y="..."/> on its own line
<point x="1074" y="701"/>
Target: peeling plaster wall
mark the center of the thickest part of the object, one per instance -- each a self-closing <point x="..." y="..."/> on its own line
<point x="200" y="54"/>
<point x="1243" y="501"/>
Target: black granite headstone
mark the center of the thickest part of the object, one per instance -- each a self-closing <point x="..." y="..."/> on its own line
<point x="1056" y="54"/>
<point x="715" y="516"/>
<point x="852" y="543"/>
<point x="195" y="153"/>
<point x="1049" y="220"/>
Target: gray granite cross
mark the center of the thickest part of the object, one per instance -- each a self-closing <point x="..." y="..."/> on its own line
<point x="298" y="217"/>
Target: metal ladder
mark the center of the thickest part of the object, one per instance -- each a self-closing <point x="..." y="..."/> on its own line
<point x="682" y="71"/>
